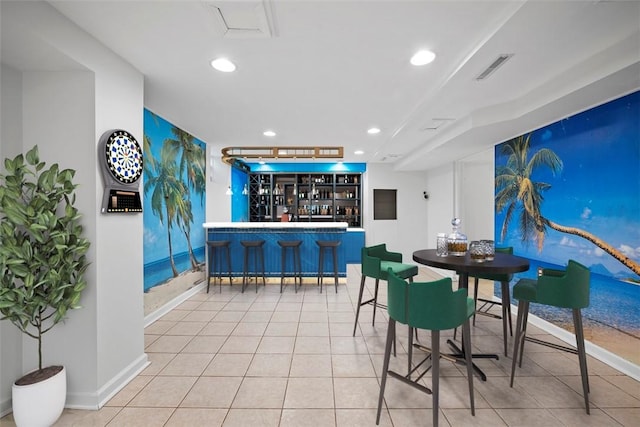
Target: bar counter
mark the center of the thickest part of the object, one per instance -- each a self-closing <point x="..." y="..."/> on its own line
<point x="352" y="240"/>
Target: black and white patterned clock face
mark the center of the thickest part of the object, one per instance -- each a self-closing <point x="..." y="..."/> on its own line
<point x="124" y="157"/>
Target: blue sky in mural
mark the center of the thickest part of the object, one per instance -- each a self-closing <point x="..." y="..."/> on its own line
<point x="155" y="233"/>
<point x="598" y="189"/>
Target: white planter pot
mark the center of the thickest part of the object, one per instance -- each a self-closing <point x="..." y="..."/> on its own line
<point x="40" y="404"/>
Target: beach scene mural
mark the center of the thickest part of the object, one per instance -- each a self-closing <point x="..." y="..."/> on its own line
<point x="174" y="209"/>
<point x="571" y="190"/>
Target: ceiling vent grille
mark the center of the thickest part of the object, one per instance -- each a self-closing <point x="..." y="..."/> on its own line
<point x="499" y="61"/>
<point x="242" y="19"/>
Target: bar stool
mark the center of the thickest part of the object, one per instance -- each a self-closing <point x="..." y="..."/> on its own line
<point x="375" y="261"/>
<point x="433" y="306"/>
<point x="333" y="246"/>
<point x="215" y="248"/>
<point x="569" y="289"/>
<point x="257" y="248"/>
<point x="294" y="245"/>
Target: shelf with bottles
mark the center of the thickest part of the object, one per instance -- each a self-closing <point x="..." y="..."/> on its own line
<point x="348" y="179"/>
<point x="318" y="179"/>
<point x="307" y="196"/>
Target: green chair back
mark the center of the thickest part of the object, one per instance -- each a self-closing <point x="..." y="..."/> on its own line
<point x="427" y="305"/>
<point x="499" y="277"/>
<point x="569" y="290"/>
<point x="372" y="257"/>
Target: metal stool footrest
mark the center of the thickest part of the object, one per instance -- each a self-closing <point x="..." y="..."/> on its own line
<point x="486" y="306"/>
<point x="373" y="301"/>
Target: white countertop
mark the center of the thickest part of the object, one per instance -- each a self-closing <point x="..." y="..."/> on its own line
<point x="279" y="225"/>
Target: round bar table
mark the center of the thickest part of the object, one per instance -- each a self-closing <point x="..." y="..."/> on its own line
<point x="463" y="266"/>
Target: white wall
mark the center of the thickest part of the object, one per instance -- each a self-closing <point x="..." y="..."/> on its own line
<point x="463" y="189"/>
<point x="440" y="186"/>
<point x="65" y="112"/>
<point x="10" y="145"/>
<point x="476" y="177"/>
<point x="410" y="231"/>
<point x="218" y="208"/>
<point x="61" y="131"/>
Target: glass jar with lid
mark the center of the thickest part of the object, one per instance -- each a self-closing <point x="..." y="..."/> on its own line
<point x="456" y="241"/>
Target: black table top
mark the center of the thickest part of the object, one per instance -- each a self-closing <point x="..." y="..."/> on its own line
<point x="502" y="264"/>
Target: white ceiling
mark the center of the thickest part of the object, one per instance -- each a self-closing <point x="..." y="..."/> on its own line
<point x="323" y="72"/>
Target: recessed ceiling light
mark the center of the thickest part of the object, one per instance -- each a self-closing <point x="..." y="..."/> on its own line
<point x="358" y="152"/>
<point x="422" y="57"/>
<point x="269" y="133"/>
<point x="373" y="131"/>
<point x="224" y="65"/>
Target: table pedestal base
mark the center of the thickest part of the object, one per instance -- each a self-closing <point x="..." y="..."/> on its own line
<point x="459" y="354"/>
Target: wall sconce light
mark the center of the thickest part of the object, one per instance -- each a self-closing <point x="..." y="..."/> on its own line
<point x="229" y="192"/>
<point x="245" y="190"/>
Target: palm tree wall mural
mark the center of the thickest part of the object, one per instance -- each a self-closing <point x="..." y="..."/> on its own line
<point x="571" y="190"/>
<point x="174" y="189"/>
<point x="517" y="192"/>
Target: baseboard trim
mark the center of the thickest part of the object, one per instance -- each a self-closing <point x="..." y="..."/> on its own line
<point x="96" y="400"/>
<point x="5" y="407"/>
<point x="605" y="356"/>
<point x="152" y="317"/>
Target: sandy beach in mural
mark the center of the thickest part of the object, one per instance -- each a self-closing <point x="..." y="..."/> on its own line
<point x="160" y="295"/>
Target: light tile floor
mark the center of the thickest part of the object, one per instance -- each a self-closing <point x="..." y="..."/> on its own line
<point x="270" y="359"/>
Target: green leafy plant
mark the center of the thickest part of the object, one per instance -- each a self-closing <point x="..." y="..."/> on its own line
<point x="42" y="248"/>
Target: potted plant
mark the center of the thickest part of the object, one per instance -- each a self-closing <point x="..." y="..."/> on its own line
<point x="42" y="266"/>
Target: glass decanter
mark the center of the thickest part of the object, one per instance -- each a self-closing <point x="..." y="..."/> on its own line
<point x="456" y="241"/>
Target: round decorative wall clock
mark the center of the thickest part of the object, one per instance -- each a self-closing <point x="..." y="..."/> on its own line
<point x="122" y="165"/>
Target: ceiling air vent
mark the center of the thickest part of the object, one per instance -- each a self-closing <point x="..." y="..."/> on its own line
<point x="500" y="60"/>
<point x="242" y="19"/>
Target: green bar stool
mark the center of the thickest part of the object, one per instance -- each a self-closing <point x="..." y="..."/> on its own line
<point x="375" y="261"/>
<point x="434" y="306"/>
<point x="504" y="280"/>
<point x="558" y="288"/>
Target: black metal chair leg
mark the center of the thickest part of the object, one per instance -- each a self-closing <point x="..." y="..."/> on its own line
<point x="435" y="373"/>
<point x="505" y="315"/>
<point x="210" y="258"/>
<point x="466" y="345"/>
<point x="516" y="343"/>
<point x="391" y="331"/>
<point x="524" y="331"/>
<point x="244" y="270"/>
<point x="264" y="280"/>
<point x="410" y="352"/>
<point x="335" y="266"/>
<point x="375" y="302"/>
<point x="355" y="324"/>
<point x="475" y="299"/>
<point x="228" y="266"/>
<point x="582" y="357"/>
<point x="283" y="257"/>
<point x="321" y="269"/>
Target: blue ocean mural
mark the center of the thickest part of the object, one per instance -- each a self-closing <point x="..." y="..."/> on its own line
<point x="571" y="190"/>
<point x="174" y="195"/>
